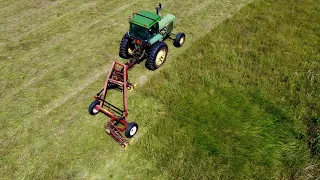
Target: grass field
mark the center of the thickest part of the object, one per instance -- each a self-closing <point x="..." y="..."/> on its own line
<point x="240" y="100"/>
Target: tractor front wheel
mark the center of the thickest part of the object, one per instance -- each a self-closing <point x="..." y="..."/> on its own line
<point x="157" y="55"/>
<point x="179" y="41"/>
<point x="131" y="130"/>
<point x="92" y="108"/>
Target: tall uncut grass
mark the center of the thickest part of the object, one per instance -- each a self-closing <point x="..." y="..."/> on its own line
<point x="243" y="101"/>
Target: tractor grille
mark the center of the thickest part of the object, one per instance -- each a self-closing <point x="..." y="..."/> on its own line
<point x="170" y="26"/>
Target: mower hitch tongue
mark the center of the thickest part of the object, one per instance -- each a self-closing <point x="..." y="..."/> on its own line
<point x="144" y="40"/>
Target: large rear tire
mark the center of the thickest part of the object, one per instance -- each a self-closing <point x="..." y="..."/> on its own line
<point x="157" y="55"/>
<point x="124" y="50"/>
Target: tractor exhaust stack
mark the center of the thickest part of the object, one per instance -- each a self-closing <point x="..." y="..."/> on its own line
<point x="159" y="9"/>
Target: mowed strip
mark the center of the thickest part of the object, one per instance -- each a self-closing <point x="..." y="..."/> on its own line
<point x="54" y="63"/>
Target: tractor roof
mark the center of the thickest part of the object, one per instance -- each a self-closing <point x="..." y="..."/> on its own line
<point x="145" y="19"/>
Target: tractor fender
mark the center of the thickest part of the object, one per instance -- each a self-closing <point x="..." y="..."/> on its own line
<point x="155" y="39"/>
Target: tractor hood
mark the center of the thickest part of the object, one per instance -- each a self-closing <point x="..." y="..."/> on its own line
<point x="166" y="20"/>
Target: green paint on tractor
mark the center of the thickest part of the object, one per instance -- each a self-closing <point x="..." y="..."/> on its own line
<point x="145" y="38"/>
<point x="167" y="19"/>
<point x="150" y="26"/>
<point x="145" y="19"/>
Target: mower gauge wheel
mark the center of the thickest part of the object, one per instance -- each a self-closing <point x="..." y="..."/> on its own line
<point x="131" y="130"/>
<point x="92" y="108"/>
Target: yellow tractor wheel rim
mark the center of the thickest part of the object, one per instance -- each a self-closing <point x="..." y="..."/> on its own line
<point x="181" y="40"/>
<point x="161" y="57"/>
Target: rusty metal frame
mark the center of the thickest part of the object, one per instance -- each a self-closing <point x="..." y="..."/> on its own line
<point x="117" y="77"/>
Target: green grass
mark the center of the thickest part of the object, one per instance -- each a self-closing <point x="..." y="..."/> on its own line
<point x="246" y="97"/>
<point x="239" y="101"/>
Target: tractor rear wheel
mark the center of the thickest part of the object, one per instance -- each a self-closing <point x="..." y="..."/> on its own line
<point x="131" y="130"/>
<point x="157" y="55"/>
<point x="179" y="41"/>
<point x="125" y="49"/>
<point x="92" y="108"/>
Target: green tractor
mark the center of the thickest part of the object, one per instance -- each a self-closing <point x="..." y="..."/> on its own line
<point x="145" y="38"/>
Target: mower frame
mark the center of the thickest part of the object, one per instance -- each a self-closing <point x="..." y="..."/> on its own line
<point x="117" y="78"/>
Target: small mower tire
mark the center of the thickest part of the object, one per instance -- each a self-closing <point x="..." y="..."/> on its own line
<point x="92" y="110"/>
<point x="157" y="55"/>
<point x="131" y="130"/>
<point x="124" y="48"/>
<point x="179" y="40"/>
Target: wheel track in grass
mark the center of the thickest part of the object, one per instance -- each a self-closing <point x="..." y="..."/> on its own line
<point x="72" y="92"/>
<point x="43" y="73"/>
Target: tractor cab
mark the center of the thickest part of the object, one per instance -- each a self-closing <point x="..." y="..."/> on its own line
<point x="144" y="25"/>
